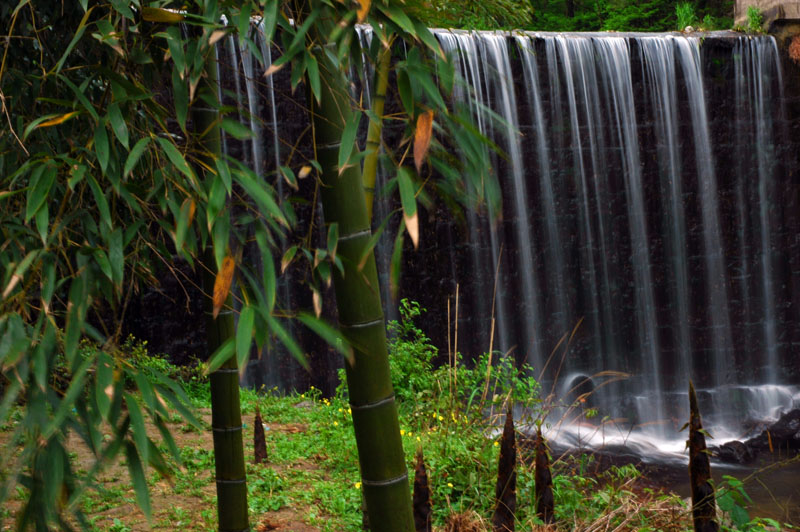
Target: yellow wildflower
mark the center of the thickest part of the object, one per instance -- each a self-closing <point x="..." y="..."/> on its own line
<point x="358" y="485"/>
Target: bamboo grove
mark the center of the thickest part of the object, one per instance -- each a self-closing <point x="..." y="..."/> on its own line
<point x="111" y="172"/>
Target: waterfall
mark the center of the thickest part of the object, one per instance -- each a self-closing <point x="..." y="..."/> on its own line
<point x="613" y="171"/>
<point x="641" y="181"/>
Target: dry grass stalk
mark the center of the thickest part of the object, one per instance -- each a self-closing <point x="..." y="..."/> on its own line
<point x="465" y="522"/>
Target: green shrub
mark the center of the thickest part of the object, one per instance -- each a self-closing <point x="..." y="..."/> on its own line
<point x="684" y="12"/>
<point x="754" y="20"/>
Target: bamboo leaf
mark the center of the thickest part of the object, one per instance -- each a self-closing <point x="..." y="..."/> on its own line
<point x="363" y="10"/>
<point x="244" y="336"/>
<point x="333" y="240"/>
<point x="75" y="38"/>
<point x="100" y="199"/>
<point x="330" y="334"/>
<point x="236" y="129"/>
<point x="398" y="16"/>
<point x="258" y="191"/>
<point x="137" y="425"/>
<point x="422" y="138"/>
<point x="269" y="19"/>
<point x="409" y="202"/>
<point x="286" y="340"/>
<point x="101" y="145"/>
<point x="183" y="222"/>
<point x="406" y="94"/>
<point x="222" y="284"/>
<point x="80" y="96"/>
<point x="118" y="124"/>
<point x="313" y="76"/>
<point x="134" y="155"/>
<point x="287" y="258"/>
<point x="103" y="388"/>
<point x="220" y="356"/>
<point x="216" y="36"/>
<point x="157" y="14"/>
<point x="180" y="96"/>
<point x="59" y="119"/>
<point x="394" y="265"/>
<point x="348" y="141"/>
<point x="116" y="257"/>
<point x="175" y="157"/>
<point x="175" y="44"/>
<point x="41" y="181"/>
<point x="138" y="479"/>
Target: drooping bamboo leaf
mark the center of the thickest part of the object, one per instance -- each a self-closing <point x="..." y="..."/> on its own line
<point x="176" y="157"/>
<point x="103" y="387"/>
<point x="333" y="239"/>
<point x="270" y="16"/>
<point x="42" y="179"/>
<point x="220" y="356"/>
<point x="116" y="256"/>
<point x="287" y="258"/>
<point x="101" y="145"/>
<point x="348" y="141"/>
<point x="222" y="284"/>
<point x="244" y="336"/>
<point x="118" y="124"/>
<point x="175" y="44"/>
<point x="134" y="155"/>
<point x="258" y="191"/>
<point x="328" y="333"/>
<point x="42" y="219"/>
<point x="313" y="75"/>
<point x="100" y="199"/>
<point x="138" y="479"/>
<point x="157" y="14"/>
<point x="406" y="93"/>
<point x="75" y="38"/>
<point x="422" y="138"/>
<point x="398" y="16"/>
<point x="137" y="425"/>
<point x="236" y="129"/>
<point x="180" y="96"/>
<point x="286" y="340"/>
<point x="395" y="263"/>
<point x="409" y="202"/>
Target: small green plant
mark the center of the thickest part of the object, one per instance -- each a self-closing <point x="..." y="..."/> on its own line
<point x="684" y="12"/>
<point x="754" y="20"/>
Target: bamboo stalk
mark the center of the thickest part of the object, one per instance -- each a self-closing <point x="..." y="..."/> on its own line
<point x="226" y="415"/>
<point x="375" y="422"/>
<point x="375" y="127"/>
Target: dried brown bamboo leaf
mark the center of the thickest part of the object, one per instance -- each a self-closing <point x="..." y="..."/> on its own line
<point x="363" y="9"/>
<point x="222" y="284"/>
<point x="422" y="137"/>
<point x="412" y="226"/>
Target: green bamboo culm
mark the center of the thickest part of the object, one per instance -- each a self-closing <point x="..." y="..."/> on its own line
<point x="380" y="449"/>
<point x="226" y="415"/>
<point x="375" y="127"/>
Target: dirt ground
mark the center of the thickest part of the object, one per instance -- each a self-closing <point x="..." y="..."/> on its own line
<point x="172" y="510"/>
